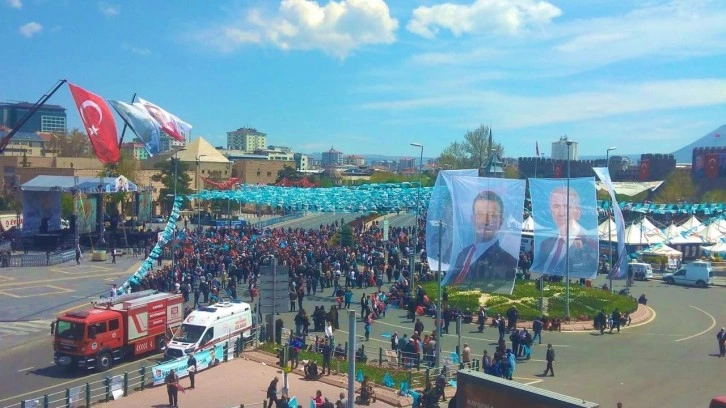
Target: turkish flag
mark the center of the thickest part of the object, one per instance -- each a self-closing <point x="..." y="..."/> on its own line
<point x="644" y="170"/>
<point x="99" y="123"/>
<point x="558" y="170"/>
<point x="711" y="165"/>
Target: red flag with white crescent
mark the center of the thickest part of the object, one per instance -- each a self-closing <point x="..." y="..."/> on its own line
<point x="99" y="123"/>
<point x="711" y="165"/>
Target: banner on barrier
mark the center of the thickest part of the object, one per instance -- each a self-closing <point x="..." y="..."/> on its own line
<point x="205" y="359"/>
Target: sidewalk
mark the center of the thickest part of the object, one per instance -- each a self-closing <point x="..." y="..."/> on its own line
<point x="642" y="314"/>
<point x="241" y="381"/>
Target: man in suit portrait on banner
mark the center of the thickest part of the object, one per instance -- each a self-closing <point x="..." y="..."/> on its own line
<point x="583" y="246"/>
<point x="485" y="264"/>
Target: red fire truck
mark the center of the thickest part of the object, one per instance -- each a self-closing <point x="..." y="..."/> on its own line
<point x="116" y="328"/>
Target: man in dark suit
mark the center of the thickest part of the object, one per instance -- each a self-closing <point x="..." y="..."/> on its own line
<point x="583" y="247"/>
<point x="485" y="264"/>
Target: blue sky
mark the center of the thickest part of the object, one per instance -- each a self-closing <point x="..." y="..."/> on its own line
<point x="370" y="77"/>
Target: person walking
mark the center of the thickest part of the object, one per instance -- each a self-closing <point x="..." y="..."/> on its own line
<point x="537" y="329"/>
<point x="616" y="320"/>
<point x="272" y="392"/>
<point x="172" y="387"/>
<point x="721" y="338"/>
<point x="192" y="369"/>
<point x="550" y="358"/>
<point x="78" y="255"/>
<point x="466" y="356"/>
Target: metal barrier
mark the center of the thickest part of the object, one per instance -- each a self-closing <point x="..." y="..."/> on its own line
<point x="54" y="258"/>
<point x="277" y="220"/>
<point x="122" y="385"/>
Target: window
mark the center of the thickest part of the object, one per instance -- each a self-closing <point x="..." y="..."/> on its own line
<point x="113" y="324"/>
<point x="269" y="173"/>
<point x="258" y="173"/>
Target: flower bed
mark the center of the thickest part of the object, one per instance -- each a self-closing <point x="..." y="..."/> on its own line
<point x="585" y="302"/>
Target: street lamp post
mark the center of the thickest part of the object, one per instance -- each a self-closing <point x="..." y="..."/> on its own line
<point x="199" y="201"/>
<point x="437" y="329"/>
<point x="176" y="179"/>
<point x="418" y="210"/>
<point x="610" y="233"/>
<point x="567" y="238"/>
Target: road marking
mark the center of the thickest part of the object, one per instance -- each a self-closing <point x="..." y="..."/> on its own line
<point x="643" y="323"/>
<point x="63" y="279"/>
<point x="463" y="337"/>
<point x="532" y="382"/>
<point x="24" y="328"/>
<point x="713" y="324"/>
<point x="25" y="369"/>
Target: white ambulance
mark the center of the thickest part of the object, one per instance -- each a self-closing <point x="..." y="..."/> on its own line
<point x="208" y="326"/>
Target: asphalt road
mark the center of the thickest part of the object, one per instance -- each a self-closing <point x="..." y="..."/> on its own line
<point x="672" y="361"/>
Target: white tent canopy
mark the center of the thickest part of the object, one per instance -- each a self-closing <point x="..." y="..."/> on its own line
<point x="643" y="232"/>
<point x="606" y="228"/>
<point x="719" y="249"/>
<point x="673" y="231"/>
<point x="528" y="224"/>
<point x="711" y="233"/>
<point x="691" y="223"/>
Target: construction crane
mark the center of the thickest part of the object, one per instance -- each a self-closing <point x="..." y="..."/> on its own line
<point x="43" y="99"/>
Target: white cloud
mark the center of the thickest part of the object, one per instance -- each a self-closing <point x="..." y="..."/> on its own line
<point x="577" y="45"/>
<point x="522" y="111"/>
<point x="482" y="17"/>
<point x="30" y="29"/>
<point x="337" y="28"/>
<point x="18" y="4"/>
<point x="136" y="50"/>
<point x="108" y="9"/>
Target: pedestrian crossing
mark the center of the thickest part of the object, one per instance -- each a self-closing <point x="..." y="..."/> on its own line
<point x="24" y="328"/>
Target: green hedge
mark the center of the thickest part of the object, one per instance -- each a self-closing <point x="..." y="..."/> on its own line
<point x="585" y="303"/>
<point x="374" y="372"/>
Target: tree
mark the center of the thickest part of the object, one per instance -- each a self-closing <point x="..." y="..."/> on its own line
<point x="127" y="166"/>
<point x="166" y="178"/>
<point x="24" y="161"/>
<point x="289" y="173"/>
<point x="473" y="152"/>
<point x="511" y="172"/>
<point x="714" y="196"/>
<point x="678" y="186"/>
<point x="346" y="235"/>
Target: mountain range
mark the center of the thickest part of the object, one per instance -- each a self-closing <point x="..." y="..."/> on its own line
<point x="715" y="138"/>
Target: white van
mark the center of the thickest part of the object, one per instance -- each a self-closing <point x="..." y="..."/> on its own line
<point x="208" y="326"/>
<point x="697" y="274"/>
<point x="640" y="271"/>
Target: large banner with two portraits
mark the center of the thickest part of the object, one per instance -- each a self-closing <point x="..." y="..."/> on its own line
<point x="474" y="227"/>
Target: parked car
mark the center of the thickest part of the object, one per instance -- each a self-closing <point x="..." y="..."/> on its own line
<point x="697" y="274"/>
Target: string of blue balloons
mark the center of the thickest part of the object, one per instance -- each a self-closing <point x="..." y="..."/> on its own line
<point x="369" y="197"/>
<point x="165" y="236"/>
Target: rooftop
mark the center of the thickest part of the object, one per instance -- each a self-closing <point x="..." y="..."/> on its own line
<point x="28" y="105"/>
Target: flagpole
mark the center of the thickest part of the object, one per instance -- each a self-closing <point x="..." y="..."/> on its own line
<point x="123" y="131"/>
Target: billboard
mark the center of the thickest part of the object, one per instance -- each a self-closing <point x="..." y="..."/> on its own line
<point x="86" y="209"/>
<point x="41" y="212"/>
<point x="143" y="206"/>
<point x="550" y="200"/>
<point x="440" y="210"/>
<point x="475" y="389"/>
<point x="486" y="233"/>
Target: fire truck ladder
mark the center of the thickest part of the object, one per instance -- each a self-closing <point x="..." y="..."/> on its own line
<point x="110" y="301"/>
